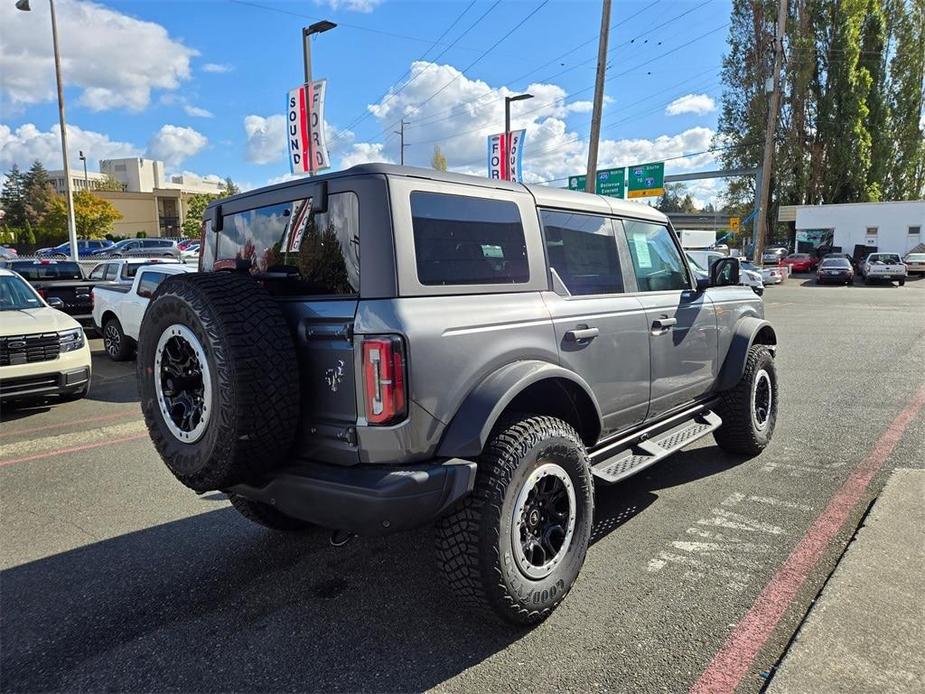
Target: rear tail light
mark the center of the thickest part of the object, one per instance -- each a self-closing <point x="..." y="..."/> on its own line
<point x="384" y="379"/>
<point x="43" y="293"/>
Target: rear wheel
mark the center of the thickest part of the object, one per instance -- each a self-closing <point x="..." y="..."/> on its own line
<point x="266" y="515"/>
<point x="902" y="283"/>
<point x="218" y="379"/>
<point x="749" y="410"/>
<point x="516" y="544"/>
<point x="115" y="342"/>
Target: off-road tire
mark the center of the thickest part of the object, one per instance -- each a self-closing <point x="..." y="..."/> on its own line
<point x="118" y="346"/>
<point x="473" y="542"/>
<point x="902" y="283"/>
<point x="738" y="432"/>
<point x="254" y="378"/>
<point x="266" y="515"/>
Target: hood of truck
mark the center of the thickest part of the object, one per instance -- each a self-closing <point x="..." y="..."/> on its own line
<point x="35" y="320"/>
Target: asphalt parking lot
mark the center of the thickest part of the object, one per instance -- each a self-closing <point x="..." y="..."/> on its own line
<point x="114" y="577"/>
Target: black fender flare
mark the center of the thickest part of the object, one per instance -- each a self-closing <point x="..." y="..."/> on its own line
<point x="467" y="433"/>
<point x="744" y="336"/>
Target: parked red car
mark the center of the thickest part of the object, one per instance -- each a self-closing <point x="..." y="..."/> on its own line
<point x="800" y="262"/>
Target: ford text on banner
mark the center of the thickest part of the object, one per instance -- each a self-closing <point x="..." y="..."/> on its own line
<point x="505" y="159"/>
<point x="306" y="146"/>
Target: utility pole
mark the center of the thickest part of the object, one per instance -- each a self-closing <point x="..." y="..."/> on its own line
<point x="767" y="159"/>
<point x="591" y="177"/>
<point x="316" y="28"/>
<point x="401" y="134"/>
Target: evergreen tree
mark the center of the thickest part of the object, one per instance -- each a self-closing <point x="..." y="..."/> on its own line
<point x="12" y="199"/>
<point x="873" y="60"/>
<point x="906" y="175"/>
<point x="38" y="195"/>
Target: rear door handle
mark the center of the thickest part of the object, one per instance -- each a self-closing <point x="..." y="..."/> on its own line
<point x="581" y="334"/>
<point x="662" y="324"/>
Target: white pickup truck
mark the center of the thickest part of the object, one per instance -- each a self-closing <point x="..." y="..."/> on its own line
<point x="119" y="308"/>
<point x="124" y="270"/>
<point x="885" y="267"/>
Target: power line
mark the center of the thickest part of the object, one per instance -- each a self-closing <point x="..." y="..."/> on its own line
<point x="388" y="94"/>
<point x="485" y="53"/>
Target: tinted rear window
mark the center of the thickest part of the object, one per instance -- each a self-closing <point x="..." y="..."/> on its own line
<point x="45" y="272"/>
<point x="323" y="248"/>
<point x="467" y="240"/>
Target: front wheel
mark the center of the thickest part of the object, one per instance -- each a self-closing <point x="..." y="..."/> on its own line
<point x="749" y="410"/>
<point x="516" y="544"/>
<point x="902" y="283"/>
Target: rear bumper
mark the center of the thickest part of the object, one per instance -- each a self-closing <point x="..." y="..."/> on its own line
<point x="364" y="499"/>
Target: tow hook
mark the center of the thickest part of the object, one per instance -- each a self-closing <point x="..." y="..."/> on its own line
<point x="339" y="538"/>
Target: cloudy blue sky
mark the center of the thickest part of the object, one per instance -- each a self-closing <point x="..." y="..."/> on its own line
<point x="201" y="84"/>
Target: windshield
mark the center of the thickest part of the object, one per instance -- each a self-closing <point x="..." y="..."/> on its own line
<point x="835" y="262"/>
<point x="799" y="256"/>
<point x="47" y="271"/>
<point x="16" y="295"/>
<point x="916" y="258"/>
<point x="748" y="266"/>
<point x="890" y="258"/>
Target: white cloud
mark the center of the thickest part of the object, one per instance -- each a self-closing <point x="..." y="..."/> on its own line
<point x="364" y="153"/>
<point x="266" y="138"/>
<point x="197" y="112"/>
<point x="217" y="68"/>
<point x="116" y="60"/>
<point x="698" y="104"/>
<point x="173" y="144"/>
<point x="27" y="143"/>
<point x="351" y="5"/>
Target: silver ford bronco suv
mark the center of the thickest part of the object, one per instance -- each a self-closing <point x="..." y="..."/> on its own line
<point x="386" y="347"/>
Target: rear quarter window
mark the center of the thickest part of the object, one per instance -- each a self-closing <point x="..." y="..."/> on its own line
<point x="462" y="240"/>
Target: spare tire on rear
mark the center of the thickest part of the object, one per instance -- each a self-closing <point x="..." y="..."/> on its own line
<point x="218" y="379"/>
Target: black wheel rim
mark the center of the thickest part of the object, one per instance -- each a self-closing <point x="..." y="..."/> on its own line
<point x="762" y="399"/>
<point x="182" y="383"/>
<point x="544" y="521"/>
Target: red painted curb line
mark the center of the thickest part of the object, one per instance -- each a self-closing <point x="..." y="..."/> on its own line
<point x="731" y="663"/>
<point x="101" y="418"/>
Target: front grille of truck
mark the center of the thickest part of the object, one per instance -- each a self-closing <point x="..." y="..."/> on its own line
<point x="26" y="349"/>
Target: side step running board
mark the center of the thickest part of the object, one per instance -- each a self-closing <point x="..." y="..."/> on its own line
<point x="643" y="452"/>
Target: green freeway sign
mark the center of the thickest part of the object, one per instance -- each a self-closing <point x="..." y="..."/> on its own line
<point x="609" y="182"/>
<point x="647" y="180"/>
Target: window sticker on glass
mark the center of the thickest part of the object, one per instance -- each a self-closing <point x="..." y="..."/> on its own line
<point x="642" y="250"/>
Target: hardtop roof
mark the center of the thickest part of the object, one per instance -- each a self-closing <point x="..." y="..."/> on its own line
<point x="545" y="196"/>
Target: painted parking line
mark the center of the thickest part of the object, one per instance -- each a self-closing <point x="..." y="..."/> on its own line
<point x="733" y="661"/>
<point x="76" y="422"/>
<point x="33" y="449"/>
<point x="74" y="449"/>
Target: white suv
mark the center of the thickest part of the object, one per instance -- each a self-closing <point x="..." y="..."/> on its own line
<point x="43" y="351"/>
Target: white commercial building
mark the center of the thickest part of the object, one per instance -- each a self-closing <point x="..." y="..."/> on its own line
<point x="890" y="227"/>
<point x="79" y="181"/>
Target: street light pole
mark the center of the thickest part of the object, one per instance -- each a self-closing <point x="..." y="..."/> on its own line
<point x="401" y="145"/>
<point x="86" y="177"/>
<point x="507" y="122"/>
<point x="71" y="224"/>
<point x="316" y="28"/>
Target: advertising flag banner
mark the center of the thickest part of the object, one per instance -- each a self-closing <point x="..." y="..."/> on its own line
<point x="306" y="145"/>
<point x="505" y="156"/>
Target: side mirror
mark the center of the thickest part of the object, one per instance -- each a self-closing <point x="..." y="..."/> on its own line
<point x="725" y="272"/>
<point x="55" y="302"/>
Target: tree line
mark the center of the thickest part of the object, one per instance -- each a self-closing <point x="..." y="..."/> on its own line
<point x="850" y="127"/>
<point x="35" y="214"/>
